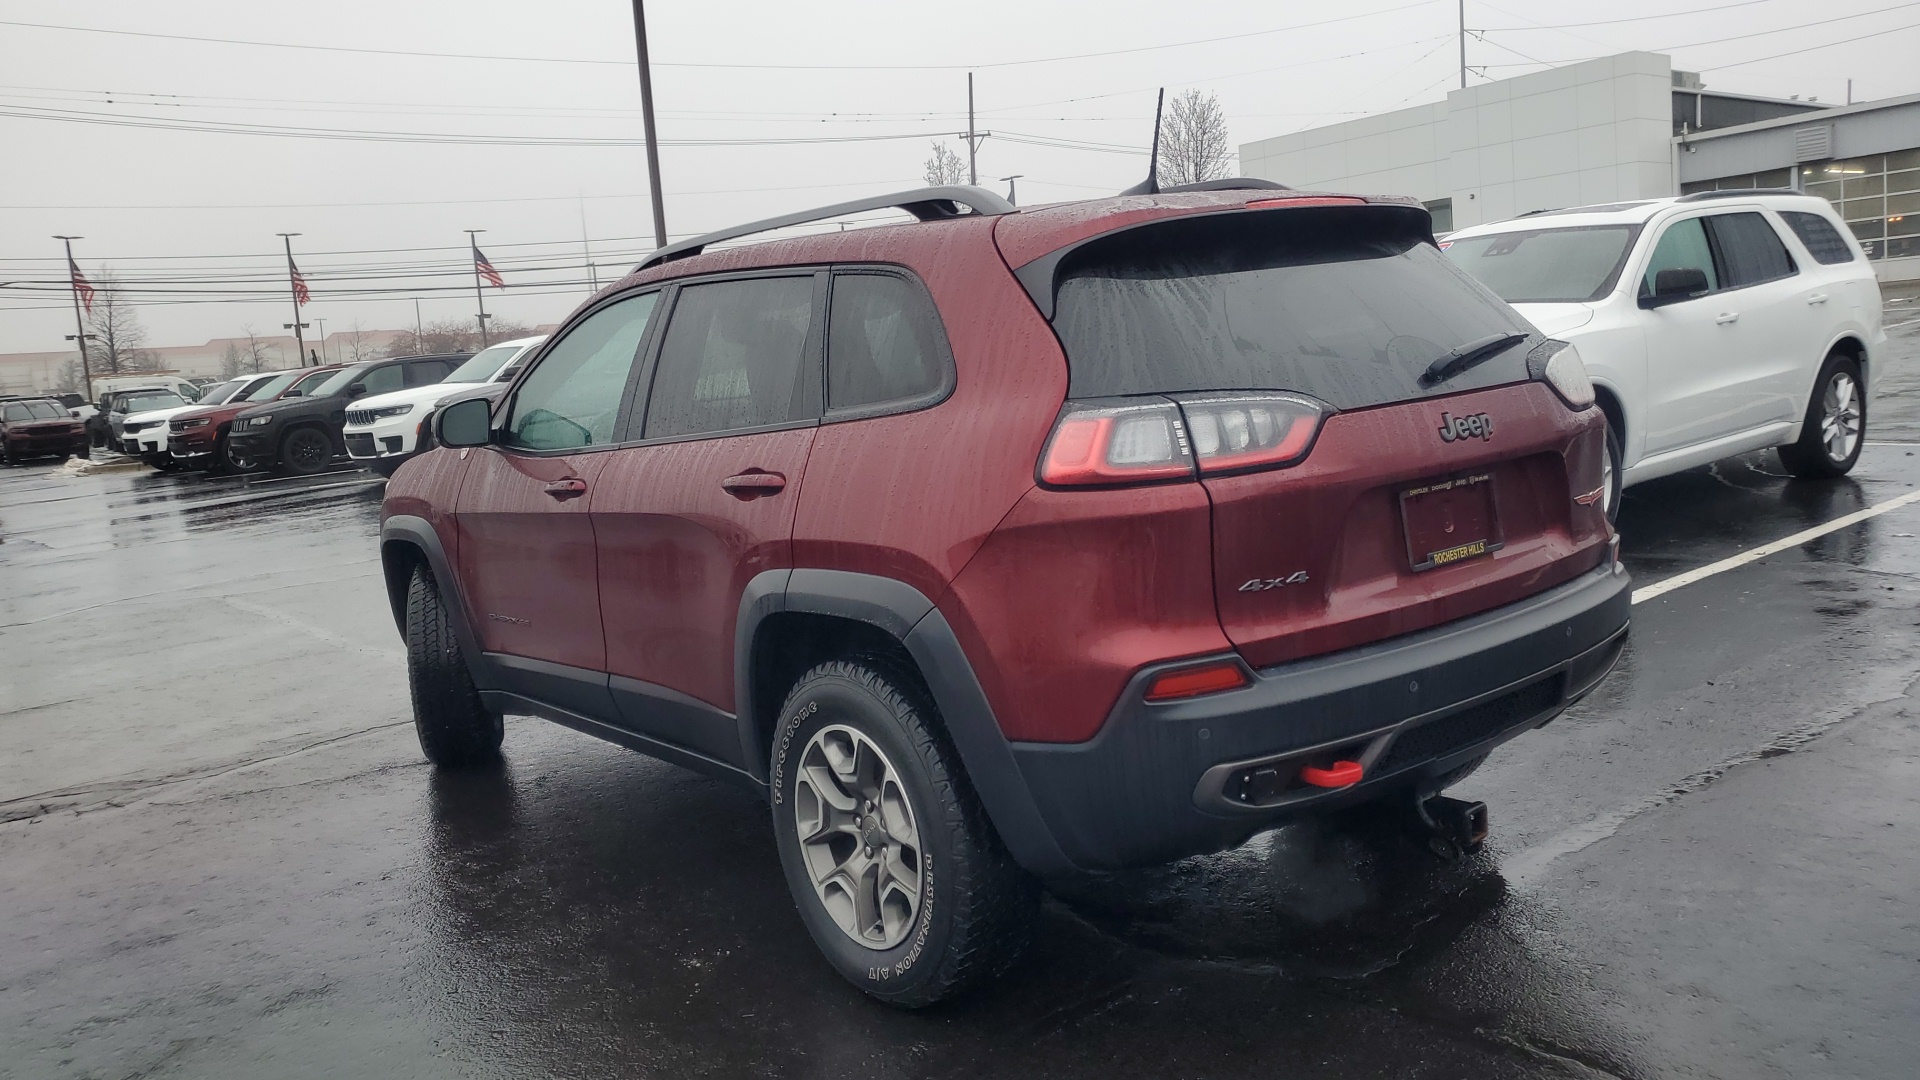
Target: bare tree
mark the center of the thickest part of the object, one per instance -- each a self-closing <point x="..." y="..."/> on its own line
<point x="117" y="336"/>
<point x="945" y="167"/>
<point x="451" y="336"/>
<point x="357" y="345"/>
<point x="230" y="363"/>
<point x="70" y="378"/>
<point x="255" y="357"/>
<point x="1193" y="140"/>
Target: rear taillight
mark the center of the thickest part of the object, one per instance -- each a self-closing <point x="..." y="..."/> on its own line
<point x="1234" y="432"/>
<point x="1558" y="364"/>
<point x="1146" y="440"/>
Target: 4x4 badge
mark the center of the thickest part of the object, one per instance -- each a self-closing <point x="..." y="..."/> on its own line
<point x="1298" y="577"/>
<point x="1477" y="426"/>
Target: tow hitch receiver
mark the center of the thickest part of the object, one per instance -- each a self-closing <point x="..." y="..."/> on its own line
<point x="1453" y="828"/>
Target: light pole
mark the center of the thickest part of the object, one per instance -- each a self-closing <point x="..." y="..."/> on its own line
<point x="80" y="334"/>
<point x="294" y="287"/>
<point x="479" y="299"/>
<point x="1009" y="182"/>
<point x="324" y="358"/>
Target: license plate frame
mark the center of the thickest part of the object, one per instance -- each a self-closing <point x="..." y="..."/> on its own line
<point x="1472" y="499"/>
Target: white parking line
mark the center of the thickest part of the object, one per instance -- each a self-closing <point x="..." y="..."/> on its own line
<point x="1678" y="581"/>
<point x="1898" y="325"/>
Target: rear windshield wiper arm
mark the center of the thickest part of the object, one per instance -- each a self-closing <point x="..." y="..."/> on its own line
<point x="1467" y="355"/>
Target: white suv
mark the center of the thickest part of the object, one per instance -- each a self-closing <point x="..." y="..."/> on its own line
<point x="385" y="430"/>
<point x="1711" y="324"/>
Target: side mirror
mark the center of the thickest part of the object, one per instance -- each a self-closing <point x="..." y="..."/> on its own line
<point x="294" y="393"/>
<point x="464" y="423"/>
<point x="1673" y="286"/>
<point x="356" y="390"/>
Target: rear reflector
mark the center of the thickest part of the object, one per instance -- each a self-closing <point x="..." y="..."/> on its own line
<point x="1211" y="678"/>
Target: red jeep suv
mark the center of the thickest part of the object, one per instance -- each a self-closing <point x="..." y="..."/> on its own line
<point x="1011" y="544"/>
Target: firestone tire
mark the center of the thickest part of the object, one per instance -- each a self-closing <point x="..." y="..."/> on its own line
<point x="456" y="729"/>
<point x="305" y="451"/>
<point x="952" y="909"/>
<point x="1835" y="427"/>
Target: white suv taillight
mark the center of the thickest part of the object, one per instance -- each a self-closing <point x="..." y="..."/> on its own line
<point x="1155" y="439"/>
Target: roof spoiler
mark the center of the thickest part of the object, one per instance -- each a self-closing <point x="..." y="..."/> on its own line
<point x="926" y="204"/>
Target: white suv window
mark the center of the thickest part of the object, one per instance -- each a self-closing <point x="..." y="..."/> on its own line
<point x="1751" y="252"/>
<point x="1683" y="245"/>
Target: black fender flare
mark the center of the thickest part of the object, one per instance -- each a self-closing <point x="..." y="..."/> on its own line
<point x="905" y="614"/>
<point x="418" y="533"/>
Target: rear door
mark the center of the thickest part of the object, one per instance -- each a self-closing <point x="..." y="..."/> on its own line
<point x="526" y="549"/>
<point x="1355" y="495"/>
<point x="705" y="500"/>
<point x="1780" y="339"/>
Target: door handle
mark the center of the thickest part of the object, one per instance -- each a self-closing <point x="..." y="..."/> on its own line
<point x="1728" y="317"/>
<point x="1817" y="298"/>
<point x="753" y="483"/>
<point x="566" y="489"/>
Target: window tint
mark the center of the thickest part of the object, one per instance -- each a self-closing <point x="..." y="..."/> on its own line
<point x="382" y="380"/>
<point x="734" y="357"/>
<point x="427" y="372"/>
<point x="1348" y="305"/>
<point x="880" y="342"/>
<point x="1822" y="239"/>
<point x="1683" y="245"/>
<point x="573" y="398"/>
<point x="1751" y="249"/>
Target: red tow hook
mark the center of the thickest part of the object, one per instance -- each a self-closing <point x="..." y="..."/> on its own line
<point x="1339" y="774"/>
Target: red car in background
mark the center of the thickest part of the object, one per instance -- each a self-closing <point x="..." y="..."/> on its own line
<point x="198" y="439"/>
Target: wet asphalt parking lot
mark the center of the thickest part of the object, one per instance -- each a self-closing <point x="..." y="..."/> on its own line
<point x="221" y="854"/>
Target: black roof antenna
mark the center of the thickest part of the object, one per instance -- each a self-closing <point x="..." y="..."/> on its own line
<point x="1151" y="185"/>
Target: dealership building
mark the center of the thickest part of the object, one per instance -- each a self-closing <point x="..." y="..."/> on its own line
<point x="1617" y="129"/>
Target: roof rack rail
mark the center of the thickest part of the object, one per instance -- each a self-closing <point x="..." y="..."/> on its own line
<point x="1228" y="183"/>
<point x="927" y="204"/>
<point x="1737" y="193"/>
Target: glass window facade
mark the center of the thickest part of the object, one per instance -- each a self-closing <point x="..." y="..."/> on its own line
<point x="1878" y="196"/>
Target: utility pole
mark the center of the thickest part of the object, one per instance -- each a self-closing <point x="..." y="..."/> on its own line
<point x="324" y="358"/>
<point x="419" y="334"/>
<point x="646" y="117"/>
<point x="478" y="297"/>
<point x="586" y="252"/>
<point x="973" y="173"/>
<point x="293" y="286"/>
<point x="80" y="334"/>
<point x="1463" y="44"/>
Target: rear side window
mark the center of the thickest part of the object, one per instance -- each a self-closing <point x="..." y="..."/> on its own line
<point x="734" y="357"/>
<point x="1683" y="246"/>
<point x="1347" y="305"/>
<point x="882" y="344"/>
<point x="572" y="399"/>
<point x="1751" y="252"/>
<point x="1823" y="241"/>
<point x="427" y="372"/>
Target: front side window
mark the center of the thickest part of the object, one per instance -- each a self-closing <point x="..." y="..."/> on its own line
<point x="1683" y="246"/>
<point x="881" y="343"/>
<point x="1823" y="241"/>
<point x="1751" y="252"/>
<point x="572" y="399"/>
<point x="734" y="357"/>
<point x="382" y="380"/>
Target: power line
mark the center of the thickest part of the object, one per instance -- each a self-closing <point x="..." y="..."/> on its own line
<point x="1615" y="22"/>
<point x="660" y="63"/>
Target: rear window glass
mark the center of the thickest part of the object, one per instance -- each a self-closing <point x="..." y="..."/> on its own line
<point x="1823" y="241"/>
<point x="1349" y="306"/>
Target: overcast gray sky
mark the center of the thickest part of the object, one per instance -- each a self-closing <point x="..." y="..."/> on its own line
<point x="740" y="87"/>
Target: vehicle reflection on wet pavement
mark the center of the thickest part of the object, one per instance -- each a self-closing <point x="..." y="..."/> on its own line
<point x="221" y="854"/>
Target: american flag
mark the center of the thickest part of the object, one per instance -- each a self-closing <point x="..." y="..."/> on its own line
<point x="80" y="285"/>
<point x="300" y="293"/>
<point x="486" y="270"/>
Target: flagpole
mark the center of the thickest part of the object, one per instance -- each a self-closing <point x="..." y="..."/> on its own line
<point x="79" y="324"/>
<point x="478" y="297"/>
<point x="299" y="339"/>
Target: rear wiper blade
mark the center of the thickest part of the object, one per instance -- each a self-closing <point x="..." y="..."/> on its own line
<point x="1467" y="355"/>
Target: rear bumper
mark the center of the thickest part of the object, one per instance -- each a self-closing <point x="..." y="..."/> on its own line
<point x="1162" y="781"/>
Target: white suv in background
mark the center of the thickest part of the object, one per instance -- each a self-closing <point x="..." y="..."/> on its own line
<point x="1711" y="324"/>
<point x="385" y="430"/>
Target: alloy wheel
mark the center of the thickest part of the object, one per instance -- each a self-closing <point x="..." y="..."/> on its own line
<point x="1840" y="416"/>
<point x="858" y="838"/>
<point x="1606" y="484"/>
<point x="308" y="451"/>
